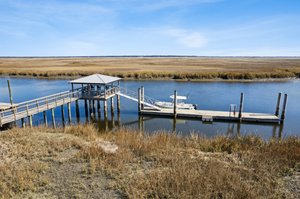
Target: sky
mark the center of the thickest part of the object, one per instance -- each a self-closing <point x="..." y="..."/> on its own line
<point x="149" y="27"/>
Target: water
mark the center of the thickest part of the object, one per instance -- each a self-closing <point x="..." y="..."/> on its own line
<point x="259" y="97"/>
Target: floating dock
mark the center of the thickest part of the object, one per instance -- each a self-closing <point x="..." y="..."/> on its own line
<point x="210" y="115"/>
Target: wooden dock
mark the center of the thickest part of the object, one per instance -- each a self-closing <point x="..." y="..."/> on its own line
<point x="96" y="88"/>
<point x="215" y="115"/>
<point x="32" y="107"/>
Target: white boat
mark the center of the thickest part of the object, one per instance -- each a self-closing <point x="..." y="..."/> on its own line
<point x="180" y="103"/>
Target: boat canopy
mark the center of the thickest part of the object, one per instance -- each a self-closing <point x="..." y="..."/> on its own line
<point x="179" y="97"/>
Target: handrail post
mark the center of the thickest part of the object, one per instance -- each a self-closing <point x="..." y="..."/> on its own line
<point x="142" y="97"/>
<point x="37" y="105"/>
<point x="47" y="103"/>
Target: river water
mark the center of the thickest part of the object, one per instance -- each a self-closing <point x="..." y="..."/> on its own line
<point x="259" y="97"/>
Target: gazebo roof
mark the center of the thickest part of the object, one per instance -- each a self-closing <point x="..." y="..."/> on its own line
<point x="95" y="79"/>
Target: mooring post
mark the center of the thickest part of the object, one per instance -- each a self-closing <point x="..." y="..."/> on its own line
<point x="142" y="97"/>
<point x="112" y="106"/>
<point x="175" y="103"/>
<point x="241" y="106"/>
<point x="63" y="115"/>
<point x="86" y="110"/>
<point x="284" y="108"/>
<point x="139" y="100"/>
<point x="45" y="119"/>
<point x="118" y="103"/>
<point x="69" y="112"/>
<point x="140" y="124"/>
<point x="174" y="125"/>
<point x="23" y="122"/>
<point x="278" y="104"/>
<point x="77" y="111"/>
<point x="53" y="118"/>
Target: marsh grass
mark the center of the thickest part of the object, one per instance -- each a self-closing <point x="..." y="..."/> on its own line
<point x="160" y="165"/>
<point x="154" y="68"/>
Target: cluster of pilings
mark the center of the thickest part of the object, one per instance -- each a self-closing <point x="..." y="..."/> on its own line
<point x="92" y="107"/>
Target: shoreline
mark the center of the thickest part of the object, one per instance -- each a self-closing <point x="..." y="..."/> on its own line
<point x="68" y="77"/>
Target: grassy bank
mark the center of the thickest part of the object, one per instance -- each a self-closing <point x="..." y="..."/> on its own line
<point x="193" y="68"/>
<point x="80" y="162"/>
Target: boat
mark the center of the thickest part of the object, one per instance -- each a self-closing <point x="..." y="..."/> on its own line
<point x="180" y="103"/>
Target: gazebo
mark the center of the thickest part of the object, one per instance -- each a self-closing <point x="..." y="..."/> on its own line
<point x="97" y="86"/>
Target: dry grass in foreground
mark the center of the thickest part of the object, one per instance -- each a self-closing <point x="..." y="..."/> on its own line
<point x="183" y="68"/>
<point x="80" y="162"/>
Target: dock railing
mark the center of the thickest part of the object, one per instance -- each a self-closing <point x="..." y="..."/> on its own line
<point x="148" y="101"/>
<point x="99" y="93"/>
<point x="37" y="105"/>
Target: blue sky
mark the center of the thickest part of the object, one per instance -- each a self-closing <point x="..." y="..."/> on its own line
<point x="150" y="27"/>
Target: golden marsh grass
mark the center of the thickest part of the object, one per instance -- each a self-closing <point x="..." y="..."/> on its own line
<point x="161" y="165"/>
<point x="154" y="68"/>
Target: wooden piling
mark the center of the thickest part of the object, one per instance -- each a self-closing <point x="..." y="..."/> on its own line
<point x="69" y="113"/>
<point x="140" y="124"/>
<point x="53" y="118"/>
<point x="119" y="120"/>
<point x="90" y="108"/>
<point x="278" y="104"/>
<point x="118" y="103"/>
<point x="241" y="106"/>
<point x="86" y="110"/>
<point x="10" y="93"/>
<point x="11" y="102"/>
<point x="45" y="119"/>
<point x="63" y="115"/>
<point x="112" y="119"/>
<point x="139" y="100"/>
<point x="94" y="108"/>
<point x="112" y="106"/>
<point x="30" y="120"/>
<point x="142" y="97"/>
<point x="105" y="108"/>
<point x="23" y="122"/>
<point x="174" y="125"/>
<point x="99" y="109"/>
<point x="284" y="108"/>
<point x="175" y="103"/>
<point x="77" y="111"/>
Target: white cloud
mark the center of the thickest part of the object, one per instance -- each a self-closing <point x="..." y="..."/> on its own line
<point x="190" y="39"/>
